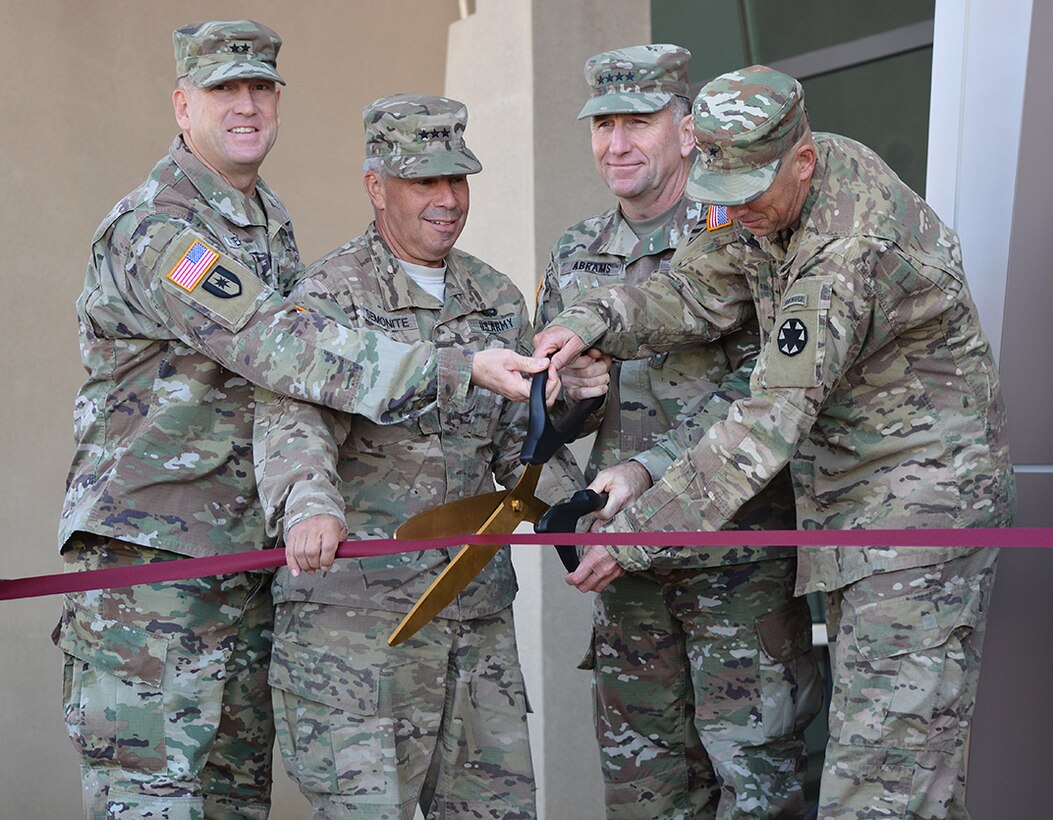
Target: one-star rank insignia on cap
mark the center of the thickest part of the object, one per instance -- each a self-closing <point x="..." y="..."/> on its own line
<point x="793" y="336"/>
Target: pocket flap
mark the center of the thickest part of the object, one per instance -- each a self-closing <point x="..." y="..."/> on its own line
<point x="322" y="677"/>
<point x="786" y="633"/>
<point x="884" y="629"/>
<point x="123" y="650"/>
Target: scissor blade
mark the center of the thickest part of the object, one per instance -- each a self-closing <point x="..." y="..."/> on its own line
<point x="461" y="570"/>
<point x="466" y="515"/>
<point x="470" y="561"/>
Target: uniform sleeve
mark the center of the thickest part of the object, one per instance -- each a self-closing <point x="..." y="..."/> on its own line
<point x="219" y="308"/>
<point x="670" y="310"/>
<point x="741" y="349"/>
<point x="818" y="331"/>
<point x="295" y="451"/>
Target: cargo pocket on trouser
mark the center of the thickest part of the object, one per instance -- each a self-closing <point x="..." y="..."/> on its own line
<point x="330" y="734"/>
<point x="112" y="691"/>
<point x="911" y="682"/>
<point x="793" y="689"/>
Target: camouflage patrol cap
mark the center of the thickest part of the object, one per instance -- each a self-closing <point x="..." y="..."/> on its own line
<point x="416" y="135"/>
<point x="638" y="78"/>
<point x="218" y="50"/>
<point x="745" y="121"/>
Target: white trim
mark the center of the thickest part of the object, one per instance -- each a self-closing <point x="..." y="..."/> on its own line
<point x="979" y="62"/>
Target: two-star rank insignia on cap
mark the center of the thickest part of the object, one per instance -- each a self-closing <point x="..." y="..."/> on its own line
<point x="793" y="336"/>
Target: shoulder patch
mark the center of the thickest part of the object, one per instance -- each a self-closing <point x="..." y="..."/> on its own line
<point x="196" y="261"/>
<point x="218" y="285"/>
<point x="717" y="218"/>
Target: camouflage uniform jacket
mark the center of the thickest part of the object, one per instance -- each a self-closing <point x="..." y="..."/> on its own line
<point x="650" y="396"/>
<point x="313" y="461"/>
<point x="163" y="423"/>
<point x="875" y="381"/>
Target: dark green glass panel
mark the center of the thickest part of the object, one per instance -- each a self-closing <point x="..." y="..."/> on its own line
<point x="883" y="104"/>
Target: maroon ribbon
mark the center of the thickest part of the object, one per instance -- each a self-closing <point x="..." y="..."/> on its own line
<point x="182" y="569"/>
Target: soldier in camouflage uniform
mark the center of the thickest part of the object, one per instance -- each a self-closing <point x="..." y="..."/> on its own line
<point x="165" y="684"/>
<point x="699" y="707"/>
<point x="878" y="387"/>
<point x="365" y="729"/>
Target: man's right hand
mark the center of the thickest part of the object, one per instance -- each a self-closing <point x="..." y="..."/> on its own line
<point x="624" y="483"/>
<point x="311" y="544"/>
<point x="501" y="370"/>
<point x="561" y="344"/>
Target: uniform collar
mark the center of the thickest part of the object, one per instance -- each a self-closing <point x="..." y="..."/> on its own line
<point x="401" y="294"/>
<point x="617" y="238"/>
<point x="230" y="202"/>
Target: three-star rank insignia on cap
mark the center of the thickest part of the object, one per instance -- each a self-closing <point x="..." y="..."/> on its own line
<point x="793" y="337"/>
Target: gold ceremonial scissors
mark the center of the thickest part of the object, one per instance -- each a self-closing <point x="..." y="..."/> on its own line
<point x="491" y="513"/>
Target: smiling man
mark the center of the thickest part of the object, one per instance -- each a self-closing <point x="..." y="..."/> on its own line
<point x="702" y="673"/>
<point x="182" y="312"/>
<point x="367" y="730"/>
<point x="877" y="386"/>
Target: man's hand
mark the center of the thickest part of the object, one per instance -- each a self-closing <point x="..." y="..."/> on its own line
<point x="562" y="345"/>
<point x="501" y="370"/>
<point x="596" y="570"/>
<point x="587" y="376"/>
<point x="623" y="483"/>
<point x="311" y="544"/>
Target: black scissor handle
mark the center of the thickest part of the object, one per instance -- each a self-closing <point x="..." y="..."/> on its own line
<point x="563" y="517"/>
<point x="543" y="437"/>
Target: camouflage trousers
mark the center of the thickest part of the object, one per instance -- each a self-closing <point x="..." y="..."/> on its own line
<point x="372" y="731"/>
<point x="906" y="664"/>
<point x="165" y="690"/>
<point x="704" y="681"/>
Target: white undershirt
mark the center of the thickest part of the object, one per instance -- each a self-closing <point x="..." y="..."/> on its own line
<point x="432" y="280"/>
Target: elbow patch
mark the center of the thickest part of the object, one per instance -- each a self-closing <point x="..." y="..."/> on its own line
<point x="217" y="285"/>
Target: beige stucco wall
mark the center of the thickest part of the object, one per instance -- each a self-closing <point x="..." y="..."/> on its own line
<point x="86" y="112"/>
<point x="519" y="68"/>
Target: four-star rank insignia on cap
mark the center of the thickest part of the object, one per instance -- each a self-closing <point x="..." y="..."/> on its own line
<point x="793" y="336"/>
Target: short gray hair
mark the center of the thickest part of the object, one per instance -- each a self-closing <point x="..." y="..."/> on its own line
<point x="679" y="107"/>
<point x="376" y="165"/>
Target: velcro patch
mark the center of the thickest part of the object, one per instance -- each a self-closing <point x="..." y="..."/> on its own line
<point x="192" y="266"/>
<point x="797" y="346"/>
<point x="218" y="285"/>
<point x="717" y="218"/>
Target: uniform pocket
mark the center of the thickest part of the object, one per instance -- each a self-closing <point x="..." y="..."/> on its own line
<point x="911" y="675"/>
<point x="114" y="701"/>
<point x="331" y="736"/>
<point x="792" y="686"/>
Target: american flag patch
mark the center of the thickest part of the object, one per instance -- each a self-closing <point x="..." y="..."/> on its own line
<point x="195" y="263"/>
<point x="718" y="217"/>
